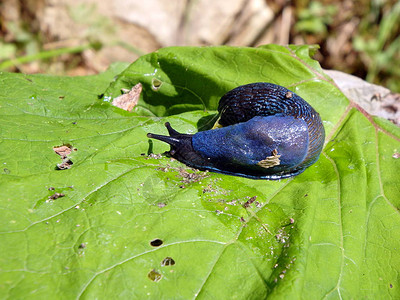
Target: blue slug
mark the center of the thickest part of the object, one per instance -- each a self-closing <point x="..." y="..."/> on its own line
<point x="264" y="131"/>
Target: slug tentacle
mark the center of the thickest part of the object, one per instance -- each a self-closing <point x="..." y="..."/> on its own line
<point x="264" y="131"/>
<point x="173" y="139"/>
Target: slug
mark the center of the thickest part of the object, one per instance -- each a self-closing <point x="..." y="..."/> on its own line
<point x="264" y="131"/>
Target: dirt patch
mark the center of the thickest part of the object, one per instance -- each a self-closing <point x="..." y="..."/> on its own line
<point x="191" y="177"/>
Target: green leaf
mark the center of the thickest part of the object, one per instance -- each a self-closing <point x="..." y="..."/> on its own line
<point x="119" y="223"/>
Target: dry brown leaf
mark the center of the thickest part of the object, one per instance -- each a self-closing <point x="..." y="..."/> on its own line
<point x="129" y="100"/>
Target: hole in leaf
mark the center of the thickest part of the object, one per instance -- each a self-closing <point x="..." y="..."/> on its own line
<point x="66" y="164"/>
<point x="63" y="151"/>
<point x="154" y="276"/>
<point x="156" y="84"/>
<point x="156" y="243"/>
<point x="168" y="261"/>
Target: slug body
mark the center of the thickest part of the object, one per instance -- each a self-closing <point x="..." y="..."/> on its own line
<point x="266" y="132"/>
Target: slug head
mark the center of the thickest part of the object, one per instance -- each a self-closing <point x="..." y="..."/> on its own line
<point x="181" y="146"/>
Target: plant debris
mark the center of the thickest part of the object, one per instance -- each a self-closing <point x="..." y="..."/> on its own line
<point x="129" y="99"/>
<point x="63" y="151"/>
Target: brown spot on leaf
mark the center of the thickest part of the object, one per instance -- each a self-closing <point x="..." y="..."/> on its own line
<point x="130" y="99"/>
<point x="56" y="196"/>
<point x="249" y="202"/>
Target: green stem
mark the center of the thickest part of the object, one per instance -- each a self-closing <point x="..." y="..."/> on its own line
<point x="129" y="48"/>
<point x="42" y="55"/>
